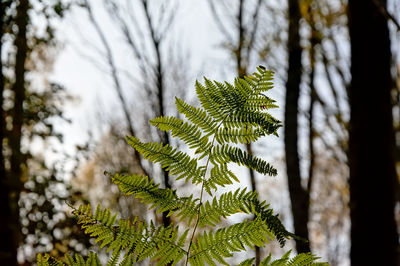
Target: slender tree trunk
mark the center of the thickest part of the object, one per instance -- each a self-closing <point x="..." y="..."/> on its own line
<point x="164" y="135"/>
<point x="160" y="95"/>
<point x="374" y="240"/>
<point x="117" y="84"/>
<point x="8" y="245"/>
<point x="311" y="129"/>
<point x="298" y="195"/>
<point x="14" y="178"/>
<point x="242" y="71"/>
<point x="314" y="41"/>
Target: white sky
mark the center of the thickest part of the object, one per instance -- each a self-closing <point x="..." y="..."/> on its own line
<point x="92" y="87"/>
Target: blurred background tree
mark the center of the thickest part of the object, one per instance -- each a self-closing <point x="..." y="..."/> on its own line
<point x="33" y="188"/>
<point x="371" y="152"/>
<point x="151" y="76"/>
<point x="144" y="52"/>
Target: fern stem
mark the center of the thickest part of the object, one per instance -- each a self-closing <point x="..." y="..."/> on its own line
<point x="201" y="202"/>
<point x="201" y="192"/>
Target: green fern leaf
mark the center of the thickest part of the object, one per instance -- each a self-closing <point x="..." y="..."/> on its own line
<point x="248" y="262"/>
<point x="227" y="204"/>
<point x="229" y="113"/>
<point x="226" y="154"/>
<point x="215" y="246"/>
<point x="211" y="100"/>
<point x="268" y="123"/>
<point x="242" y="135"/>
<point x="246" y="202"/>
<point x="69" y="260"/>
<point x="259" y="103"/>
<point x="176" y="162"/>
<point x="91" y="260"/>
<point x="262" y="210"/>
<point x="189" y="133"/>
<point x="135" y="239"/>
<point x="261" y="81"/>
<point x="144" y="188"/>
<point x="148" y="192"/>
<point x="197" y="116"/>
<point x="219" y="176"/>
<point x="231" y="97"/>
<point x="301" y="259"/>
<point x="47" y="260"/>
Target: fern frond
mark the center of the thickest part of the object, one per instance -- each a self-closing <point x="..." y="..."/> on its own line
<point x="197" y="116"/>
<point x="189" y="208"/>
<point x="242" y="102"/>
<point x="242" y="90"/>
<point x="100" y="224"/>
<point x="301" y="259"/>
<point x="266" y="214"/>
<point x="259" y="103"/>
<point x="267" y="122"/>
<point x="79" y="260"/>
<point x="305" y="259"/>
<point x="229" y="113"/>
<point x="215" y="246"/>
<point x="231" y="97"/>
<point x="261" y="81"/>
<point x="227" y="204"/>
<point x="210" y="100"/>
<point x="242" y="201"/>
<point x="232" y="122"/>
<point x="241" y="135"/>
<point x="47" y="260"/>
<point x="176" y="162"/>
<point x="226" y="154"/>
<point x="248" y="262"/>
<point x="91" y="260"/>
<point x="189" y="133"/>
<point x="219" y="175"/>
<point x="135" y="239"/>
<point x="148" y="192"/>
<point x="165" y="199"/>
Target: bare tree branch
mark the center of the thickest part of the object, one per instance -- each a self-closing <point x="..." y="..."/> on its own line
<point x="387" y="14"/>
<point x="115" y="77"/>
<point x="219" y="22"/>
<point x="254" y="26"/>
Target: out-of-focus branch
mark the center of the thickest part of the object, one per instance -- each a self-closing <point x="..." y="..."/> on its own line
<point x="387" y="14"/>
<point x="156" y="40"/>
<point x="338" y="54"/>
<point x="114" y="75"/>
<point x="141" y="57"/>
<point x="219" y="22"/>
<point x="165" y="22"/>
<point x="339" y="114"/>
<point x="254" y="27"/>
<point x="311" y="130"/>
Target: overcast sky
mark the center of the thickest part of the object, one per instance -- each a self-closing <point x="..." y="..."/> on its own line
<point x="74" y="70"/>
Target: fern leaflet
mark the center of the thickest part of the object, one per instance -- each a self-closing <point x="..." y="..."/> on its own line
<point x="229" y="114"/>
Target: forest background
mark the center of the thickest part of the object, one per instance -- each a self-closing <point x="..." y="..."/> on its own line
<point x="77" y="76"/>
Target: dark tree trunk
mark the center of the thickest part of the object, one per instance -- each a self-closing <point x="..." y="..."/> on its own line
<point x="160" y="96"/>
<point x="374" y="240"/>
<point x="164" y="135"/>
<point x="298" y="195"/>
<point x="8" y="245"/>
<point x="241" y="66"/>
<point x="13" y="178"/>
